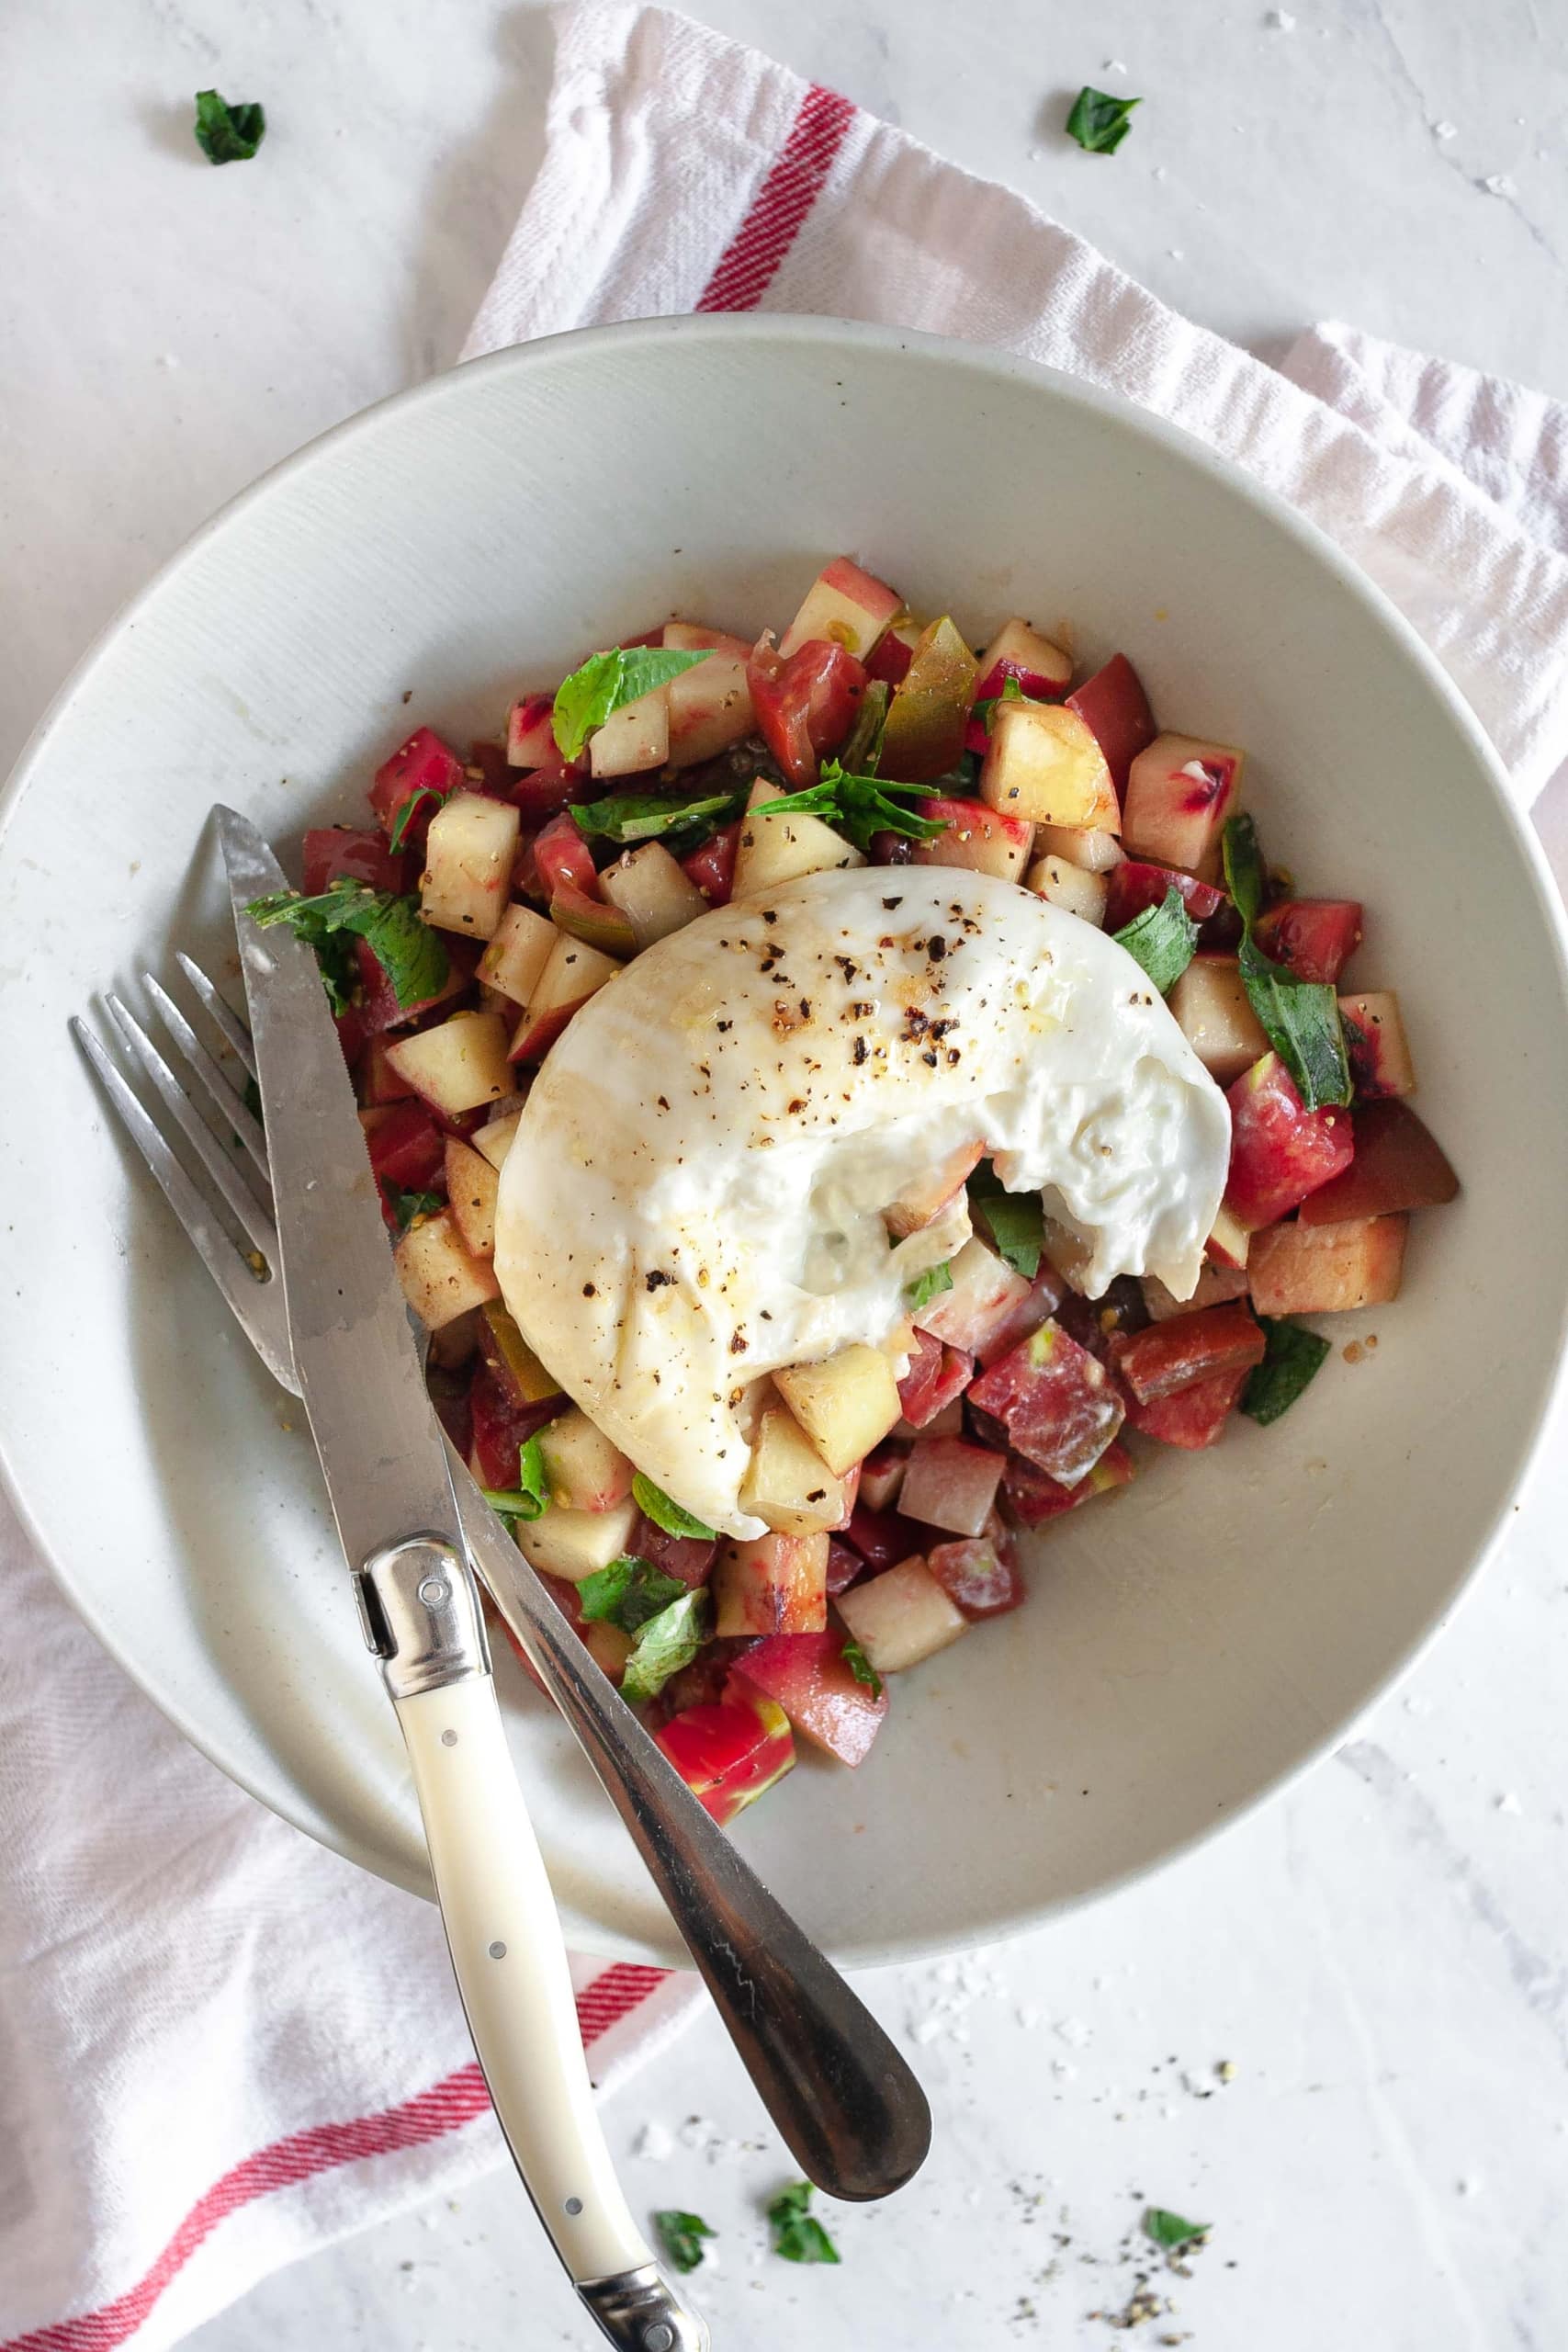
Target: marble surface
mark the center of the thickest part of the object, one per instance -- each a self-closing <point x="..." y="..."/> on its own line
<point x="1340" y="2035"/>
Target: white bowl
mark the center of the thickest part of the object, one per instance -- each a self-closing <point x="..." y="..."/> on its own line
<point x="1184" y="1647"/>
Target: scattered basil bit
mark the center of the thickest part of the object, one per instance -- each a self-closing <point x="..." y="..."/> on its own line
<point x="859" y="806"/>
<point x="861" y="1666"/>
<point x="1299" y="1018"/>
<point x="1098" y="122"/>
<point x="1163" y="939"/>
<point x="1016" y="1220"/>
<point x="1011" y="692"/>
<point x="404" y="817"/>
<point x="1292" y="1357"/>
<point x="1170" y="2231"/>
<point x="628" y="817"/>
<point x="928" y="1286"/>
<point x="656" y="1505"/>
<point x="797" y="2234"/>
<point x="864" y="747"/>
<point x="606" y="684"/>
<point x="406" y="1207"/>
<point x="665" y="1645"/>
<point x="531" y="1497"/>
<point x="629" y="1593"/>
<point x="227" y="135"/>
<point x="681" y="2235"/>
<point x="403" y="942"/>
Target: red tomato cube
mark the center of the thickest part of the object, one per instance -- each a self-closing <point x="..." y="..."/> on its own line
<point x="805" y="703"/>
<point x="1280" y="1151"/>
<point x="1184" y="1350"/>
<point x="1134" y="885"/>
<point x="712" y="867"/>
<point x="1033" y="1496"/>
<point x="727" y="1755"/>
<point x="1196" y="1417"/>
<point x="406" y="1146"/>
<point x="358" y="853"/>
<point x="563" y="860"/>
<point x="1314" y="938"/>
<point x="807" y="1673"/>
<point x="937" y="1374"/>
<point x="424" y="763"/>
<point x="979" y="1576"/>
<point x="1057" y="1403"/>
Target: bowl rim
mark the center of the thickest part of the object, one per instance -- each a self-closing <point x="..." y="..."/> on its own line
<point x="979" y="361"/>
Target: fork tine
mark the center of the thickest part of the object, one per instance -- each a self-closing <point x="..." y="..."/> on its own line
<point x="222" y="1012"/>
<point x="242" y="1201"/>
<point x="242" y="1288"/>
<point x="226" y="1100"/>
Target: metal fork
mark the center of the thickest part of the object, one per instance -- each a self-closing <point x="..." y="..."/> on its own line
<point x="844" y="2099"/>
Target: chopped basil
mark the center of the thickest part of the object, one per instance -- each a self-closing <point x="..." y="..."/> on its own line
<point x="403" y="942"/>
<point x="531" y="1497"/>
<point x="797" y="2235"/>
<point x="858" y="805"/>
<point x="1168" y="2230"/>
<point x="681" y="2235"/>
<point x="864" y="747"/>
<point x="1299" y="1018"/>
<point x="1099" y="122"/>
<point x="606" y="684"/>
<point x="665" y="1645"/>
<point x="928" y="1286"/>
<point x="861" y="1666"/>
<point x="629" y="817"/>
<point x="406" y="1207"/>
<point x="1292" y="1355"/>
<point x="629" y="1593"/>
<point x="404" y="817"/>
<point x="1011" y="692"/>
<point x="1016" y="1220"/>
<point x="656" y="1505"/>
<point x="1163" y="939"/>
<point x="227" y="135"/>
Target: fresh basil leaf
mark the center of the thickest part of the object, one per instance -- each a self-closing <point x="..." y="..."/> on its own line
<point x="606" y="683"/>
<point x="656" y="1505"/>
<point x="1098" y="122"/>
<point x="928" y="1286"/>
<point x="1016" y="1220"/>
<point x="858" y="805"/>
<point x="797" y="2234"/>
<point x="406" y="1207"/>
<point x="404" y="817"/>
<point x="1292" y="1359"/>
<point x="531" y="1497"/>
<point x="227" y="135"/>
<point x="628" y="817"/>
<point x="1246" y="877"/>
<point x="861" y="1666"/>
<point x="629" y="1593"/>
<point x="1011" y="692"/>
<point x="403" y="942"/>
<point x="864" y="749"/>
<point x="1170" y="2231"/>
<point x="681" y="2235"/>
<point x="1163" y="939"/>
<point x="1301" y="1021"/>
<point x="665" y="1645"/>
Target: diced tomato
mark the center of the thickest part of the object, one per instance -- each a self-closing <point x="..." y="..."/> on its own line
<point x="1115" y="707"/>
<point x="805" y="702"/>
<point x="690" y="1557"/>
<point x="807" y="1673"/>
<point x="1058" y="1404"/>
<point x="358" y="853"/>
<point x="702" y="1683"/>
<point x="501" y="1427"/>
<point x="407" y="1147"/>
<point x="1196" y="1417"/>
<point x="424" y="763"/>
<point x="979" y="1576"/>
<point x="712" y="867"/>
<point x="727" y="1755"/>
<point x="1034" y="1496"/>
<point x="1045" y="1295"/>
<point x="379" y="1004"/>
<point x="889" y="659"/>
<point x="1314" y="938"/>
<point x="1280" y="1151"/>
<point x="1399" y="1164"/>
<point x="937" y="1374"/>
<point x="882" y="1537"/>
<point x="1184" y="1350"/>
<point x="563" y="860"/>
<point x="1135" y="886"/>
<point x="543" y="792"/>
<point x="844" y="1564"/>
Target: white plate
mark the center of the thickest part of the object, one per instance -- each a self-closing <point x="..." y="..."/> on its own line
<point x="1185" y="1647"/>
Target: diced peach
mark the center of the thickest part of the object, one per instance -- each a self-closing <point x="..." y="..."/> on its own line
<point x="1180" y="789"/>
<point x="458" y="1064"/>
<point x="469" y="853"/>
<point x="584" y="1471"/>
<point x="1087" y="845"/>
<point x="573" y="973"/>
<point x="985" y="1292"/>
<point x="1044" y="763"/>
<point x="1214" y="1014"/>
<point x="1215" y="1286"/>
<point x="649" y="889"/>
<point x="951" y="1484"/>
<point x="1017" y="650"/>
<point x="1327" y="1268"/>
<point x="493" y="1140"/>
<point x="633" y="737"/>
<point x="882" y="1474"/>
<point x="772" y="1584"/>
<point x="845" y="605"/>
<point x="441" y="1279"/>
<point x="928" y="1191"/>
<point x="901" y="1617"/>
<point x="691" y="637"/>
<point x="1071" y="887"/>
<point x="845" y="1405"/>
<point x="1379" y="1051"/>
<point x="472" y="1188"/>
<point x="1230" y="1240"/>
<point x="710" y="708"/>
<point x="978" y="839"/>
<point x="530" y="736"/>
<point x="574" y="1543"/>
<point x="788" y="1484"/>
<point x="773" y="850"/>
<point x="518" y="951"/>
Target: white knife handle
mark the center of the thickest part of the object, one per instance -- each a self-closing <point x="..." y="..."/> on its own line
<point x="422" y="1614"/>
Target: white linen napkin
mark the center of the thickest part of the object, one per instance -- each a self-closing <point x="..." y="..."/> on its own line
<point x="207" y="2066"/>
